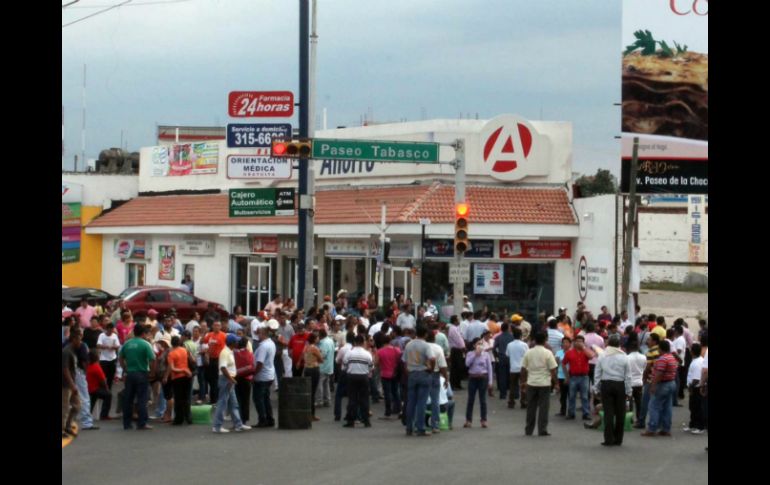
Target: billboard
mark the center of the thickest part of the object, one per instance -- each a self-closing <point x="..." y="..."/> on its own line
<point x="71" y="198"/>
<point x="185" y="159"/>
<point x="665" y="95"/>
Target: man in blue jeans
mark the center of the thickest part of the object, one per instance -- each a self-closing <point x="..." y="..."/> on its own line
<point x="135" y="357"/>
<point x="227" y="399"/>
<point x="662" y="389"/>
<point x="576" y="365"/>
<point x="652" y="354"/>
<point x="419" y="360"/>
<point x="264" y="359"/>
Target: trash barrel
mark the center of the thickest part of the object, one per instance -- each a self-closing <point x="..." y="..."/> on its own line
<point x="294" y="403"/>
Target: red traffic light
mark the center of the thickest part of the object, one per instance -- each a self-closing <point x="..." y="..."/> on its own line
<point x="462" y="209"/>
<point x="279" y="148"/>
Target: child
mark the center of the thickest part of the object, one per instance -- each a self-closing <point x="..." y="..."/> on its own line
<point x="97" y="385"/>
<point x="566" y="343"/>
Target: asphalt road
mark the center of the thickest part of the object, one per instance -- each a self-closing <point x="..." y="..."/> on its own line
<point x="330" y="454"/>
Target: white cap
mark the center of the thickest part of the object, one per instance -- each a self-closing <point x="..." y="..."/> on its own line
<point x="272" y="324"/>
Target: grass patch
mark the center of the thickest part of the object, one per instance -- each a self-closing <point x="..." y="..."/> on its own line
<point x="670" y="286"/>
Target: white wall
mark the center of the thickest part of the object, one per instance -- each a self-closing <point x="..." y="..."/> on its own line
<point x="98" y="188"/>
<point x="664" y="238"/>
<point x="597" y="244"/>
<point x="212" y="273"/>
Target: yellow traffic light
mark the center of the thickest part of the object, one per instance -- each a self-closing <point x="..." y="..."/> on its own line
<point x="462" y="244"/>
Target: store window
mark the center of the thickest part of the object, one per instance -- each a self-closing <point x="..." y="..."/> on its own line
<point x="347" y="274"/>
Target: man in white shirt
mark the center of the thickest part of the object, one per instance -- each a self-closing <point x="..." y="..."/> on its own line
<point x="194" y="322"/>
<point x="678" y="349"/>
<point x="166" y="329"/>
<point x="439" y="370"/>
<point x="467" y="305"/>
<point x="515" y="352"/>
<point x="405" y="319"/>
<point x="264" y="358"/>
<point x="358" y="364"/>
<point x="464" y="322"/>
<point x="227" y="398"/>
<point x="624" y="322"/>
<point x="636" y="364"/>
<point x="696" y="425"/>
<point x="475" y="329"/>
<point x="108" y="345"/>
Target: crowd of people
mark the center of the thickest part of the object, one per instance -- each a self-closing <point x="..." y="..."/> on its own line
<point x="403" y="355"/>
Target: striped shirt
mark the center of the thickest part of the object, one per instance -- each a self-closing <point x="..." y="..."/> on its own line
<point x="666" y="367"/>
<point x="358" y="361"/>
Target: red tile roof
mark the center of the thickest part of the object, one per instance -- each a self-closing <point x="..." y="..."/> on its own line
<point x="405" y="204"/>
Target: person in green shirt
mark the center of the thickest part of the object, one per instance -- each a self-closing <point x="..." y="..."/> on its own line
<point x="135" y="357"/>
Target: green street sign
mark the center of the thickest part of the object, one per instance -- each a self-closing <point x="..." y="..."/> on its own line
<point x="375" y="151"/>
<point x="261" y="202"/>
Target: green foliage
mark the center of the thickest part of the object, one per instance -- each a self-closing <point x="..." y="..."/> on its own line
<point x="646" y="42"/>
<point x="601" y="183"/>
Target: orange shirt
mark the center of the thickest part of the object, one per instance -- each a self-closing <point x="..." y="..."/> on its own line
<point x="216" y="343"/>
<point x="566" y="329"/>
<point x="178" y="358"/>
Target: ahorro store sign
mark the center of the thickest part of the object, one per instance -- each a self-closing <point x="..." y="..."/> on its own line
<point x="511" y="249"/>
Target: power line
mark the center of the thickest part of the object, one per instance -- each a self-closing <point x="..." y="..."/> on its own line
<point x="68" y="4"/>
<point x="135" y="4"/>
<point x="96" y="13"/>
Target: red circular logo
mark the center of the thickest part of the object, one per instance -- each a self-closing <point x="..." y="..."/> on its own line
<point x="505" y="157"/>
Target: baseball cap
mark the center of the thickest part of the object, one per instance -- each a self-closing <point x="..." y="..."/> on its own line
<point x="339" y="317"/>
<point x="272" y="324"/>
<point x="516" y="318"/>
<point x="165" y="339"/>
<point x="563" y="309"/>
<point x="551" y="319"/>
<point x="231" y="339"/>
<point x="262" y="315"/>
<point x="341" y="292"/>
<point x="152" y="312"/>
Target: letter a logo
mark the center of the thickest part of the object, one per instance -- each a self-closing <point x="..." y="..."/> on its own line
<point x="511" y="149"/>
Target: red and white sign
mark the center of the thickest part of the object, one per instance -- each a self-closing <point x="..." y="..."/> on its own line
<point x="261" y="104"/>
<point x="535" y="249"/>
<point x="513" y="149"/>
<point x="264" y="245"/>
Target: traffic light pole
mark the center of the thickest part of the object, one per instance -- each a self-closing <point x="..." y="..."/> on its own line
<point x="459" y="164"/>
<point x="305" y="222"/>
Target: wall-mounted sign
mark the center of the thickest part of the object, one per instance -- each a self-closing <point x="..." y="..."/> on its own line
<point x="71" y="198"/>
<point x="399" y="249"/>
<point x="197" y="247"/>
<point x="133" y="249"/>
<point x="488" y="279"/>
<point x="346" y="247"/>
<point x="260" y="104"/>
<point x="167" y="263"/>
<point x="259" y="166"/>
<point x="254" y="135"/>
<point x="261" y="202"/>
<point x="264" y="244"/>
<point x="510" y="249"/>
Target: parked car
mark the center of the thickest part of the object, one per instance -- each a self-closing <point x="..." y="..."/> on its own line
<point x="72" y="296"/>
<point x="140" y="299"/>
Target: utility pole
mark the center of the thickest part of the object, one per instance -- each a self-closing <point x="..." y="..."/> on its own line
<point x="459" y="198"/>
<point x="305" y="230"/>
<point x="83" y="132"/>
<point x="381" y="262"/>
<point x="630" y="219"/>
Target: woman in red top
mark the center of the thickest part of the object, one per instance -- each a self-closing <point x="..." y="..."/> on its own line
<point x="181" y="380"/>
<point x="125" y="326"/>
<point x="97" y="385"/>
<point x="244" y="364"/>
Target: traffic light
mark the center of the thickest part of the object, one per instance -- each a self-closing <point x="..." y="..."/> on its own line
<point x="292" y="148"/>
<point x="462" y="244"/>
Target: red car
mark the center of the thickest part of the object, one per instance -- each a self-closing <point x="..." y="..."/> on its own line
<point x="141" y="299"/>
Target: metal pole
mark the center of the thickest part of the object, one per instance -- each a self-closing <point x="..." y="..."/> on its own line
<point x="422" y="263"/>
<point x="305" y="233"/>
<point x="381" y="289"/>
<point x="83" y="132"/>
<point x="630" y="218"/>
<point x="459" y="197"/>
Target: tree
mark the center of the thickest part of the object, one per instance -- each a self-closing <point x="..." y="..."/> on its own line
<point x="601" y="183"/>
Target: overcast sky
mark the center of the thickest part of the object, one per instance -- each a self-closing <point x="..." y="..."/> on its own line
<point x="174" y="62"/>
